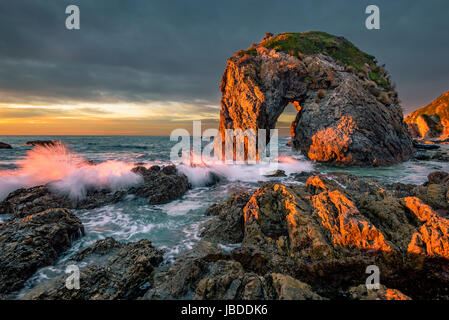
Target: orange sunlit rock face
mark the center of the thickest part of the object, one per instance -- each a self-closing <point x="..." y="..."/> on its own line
<point x="328" y="230"/>
<point x="432" y="238"/>
<point x="289" y="203"/>
<point x="341" y="217"/>
<point x="393" y="294"/>
<point x="338" y="120"/>
<point x="423" y="127"/>
<point x="251" y="210"/>
<point x="431" y="121"/>
<point x="333" y="142"/>
<point x="316" y="181"/>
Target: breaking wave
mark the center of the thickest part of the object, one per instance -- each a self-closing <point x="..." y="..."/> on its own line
<point x="66" y="172"/>
<point x="203" y="173"/>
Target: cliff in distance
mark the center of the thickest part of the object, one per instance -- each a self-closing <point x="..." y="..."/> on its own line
<point x="431" y="121"/>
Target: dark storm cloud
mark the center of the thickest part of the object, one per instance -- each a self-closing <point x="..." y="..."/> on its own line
<point x="146" y="50"/>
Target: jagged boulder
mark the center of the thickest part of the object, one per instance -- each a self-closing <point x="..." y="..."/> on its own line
<point x="34" y="242"/>
<point x="325" y="233"/>
<point x="161" y="185"/>
<point x="227" y="223"/>
<point x="114" y="270"/>
<point x="348" y="111"/>
<point x="206" y="272"/>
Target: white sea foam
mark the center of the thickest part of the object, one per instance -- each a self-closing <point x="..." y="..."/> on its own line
<point x="67" y="172"/>
<point x="204" y="173"/>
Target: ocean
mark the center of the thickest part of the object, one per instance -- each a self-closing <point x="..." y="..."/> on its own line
<point x="174" y="226"/>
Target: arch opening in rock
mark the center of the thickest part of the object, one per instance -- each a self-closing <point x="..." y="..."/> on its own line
<point x="287" y="121"/>
<point x="349" y="113"/>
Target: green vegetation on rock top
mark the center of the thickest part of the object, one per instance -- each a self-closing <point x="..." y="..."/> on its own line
<point x="313" y="42"/>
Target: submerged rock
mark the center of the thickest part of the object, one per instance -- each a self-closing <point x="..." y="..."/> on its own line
<point x="5" y="146"/>
<point x="348" y="112"/>
<point x="277" y="173"/>
<point x="326" y="232"/>
<point x="114" y="270"/>
<point x="425" y="146"/>
<point x="34" y="242"/>
<point x="43" y="143"/>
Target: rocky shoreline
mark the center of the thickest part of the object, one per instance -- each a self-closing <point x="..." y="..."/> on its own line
<point x="309" y="240"/>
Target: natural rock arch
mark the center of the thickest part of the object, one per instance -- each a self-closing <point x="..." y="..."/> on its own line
<point x="348" y="112"/>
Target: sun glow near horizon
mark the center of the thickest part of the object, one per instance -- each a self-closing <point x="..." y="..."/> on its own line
<point x="155" y="118"/>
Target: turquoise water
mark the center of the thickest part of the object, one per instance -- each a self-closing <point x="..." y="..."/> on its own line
<point x="174" y="226"/>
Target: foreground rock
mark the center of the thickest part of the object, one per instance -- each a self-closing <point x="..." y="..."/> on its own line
<point x="34" y="242"/>
<point x="325" y="233"/>
<point x="115" y="271"/>
<point x="207" y="273"/>
<point x="431" y="121"/>
<point x="383" y="293"/>
<point x="227" y="224"/>
<point x="5" y="146"/>
<point x="348" y="111"/>
<point x="158" y="185"/>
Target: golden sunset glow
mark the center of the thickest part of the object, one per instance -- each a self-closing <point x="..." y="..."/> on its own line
<point x="101" y="119"/>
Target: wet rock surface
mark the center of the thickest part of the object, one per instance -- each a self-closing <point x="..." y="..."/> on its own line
<point x="24" y="202"/>
<point x="344" y="118"/>
<point x="33" y="242"/>
<point x="324" y="235"/>
<point x="114" y="270"/>
<point x="208" y="273"/>
<point x="227" y="224"/>
<point x="159" y="185"/>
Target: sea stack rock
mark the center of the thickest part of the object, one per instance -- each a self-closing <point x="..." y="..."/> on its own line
<point x="431" y="121"/>
<point x="348" y="111"/>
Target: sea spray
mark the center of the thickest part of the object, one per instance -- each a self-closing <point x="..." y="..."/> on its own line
<point x="201" y="172"/>
<point x="66" y="172"/>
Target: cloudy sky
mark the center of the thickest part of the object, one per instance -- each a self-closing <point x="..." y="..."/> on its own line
<point x="147" y="66"/>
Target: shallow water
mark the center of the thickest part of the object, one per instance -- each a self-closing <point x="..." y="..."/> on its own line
<point x="174" y="226"/>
